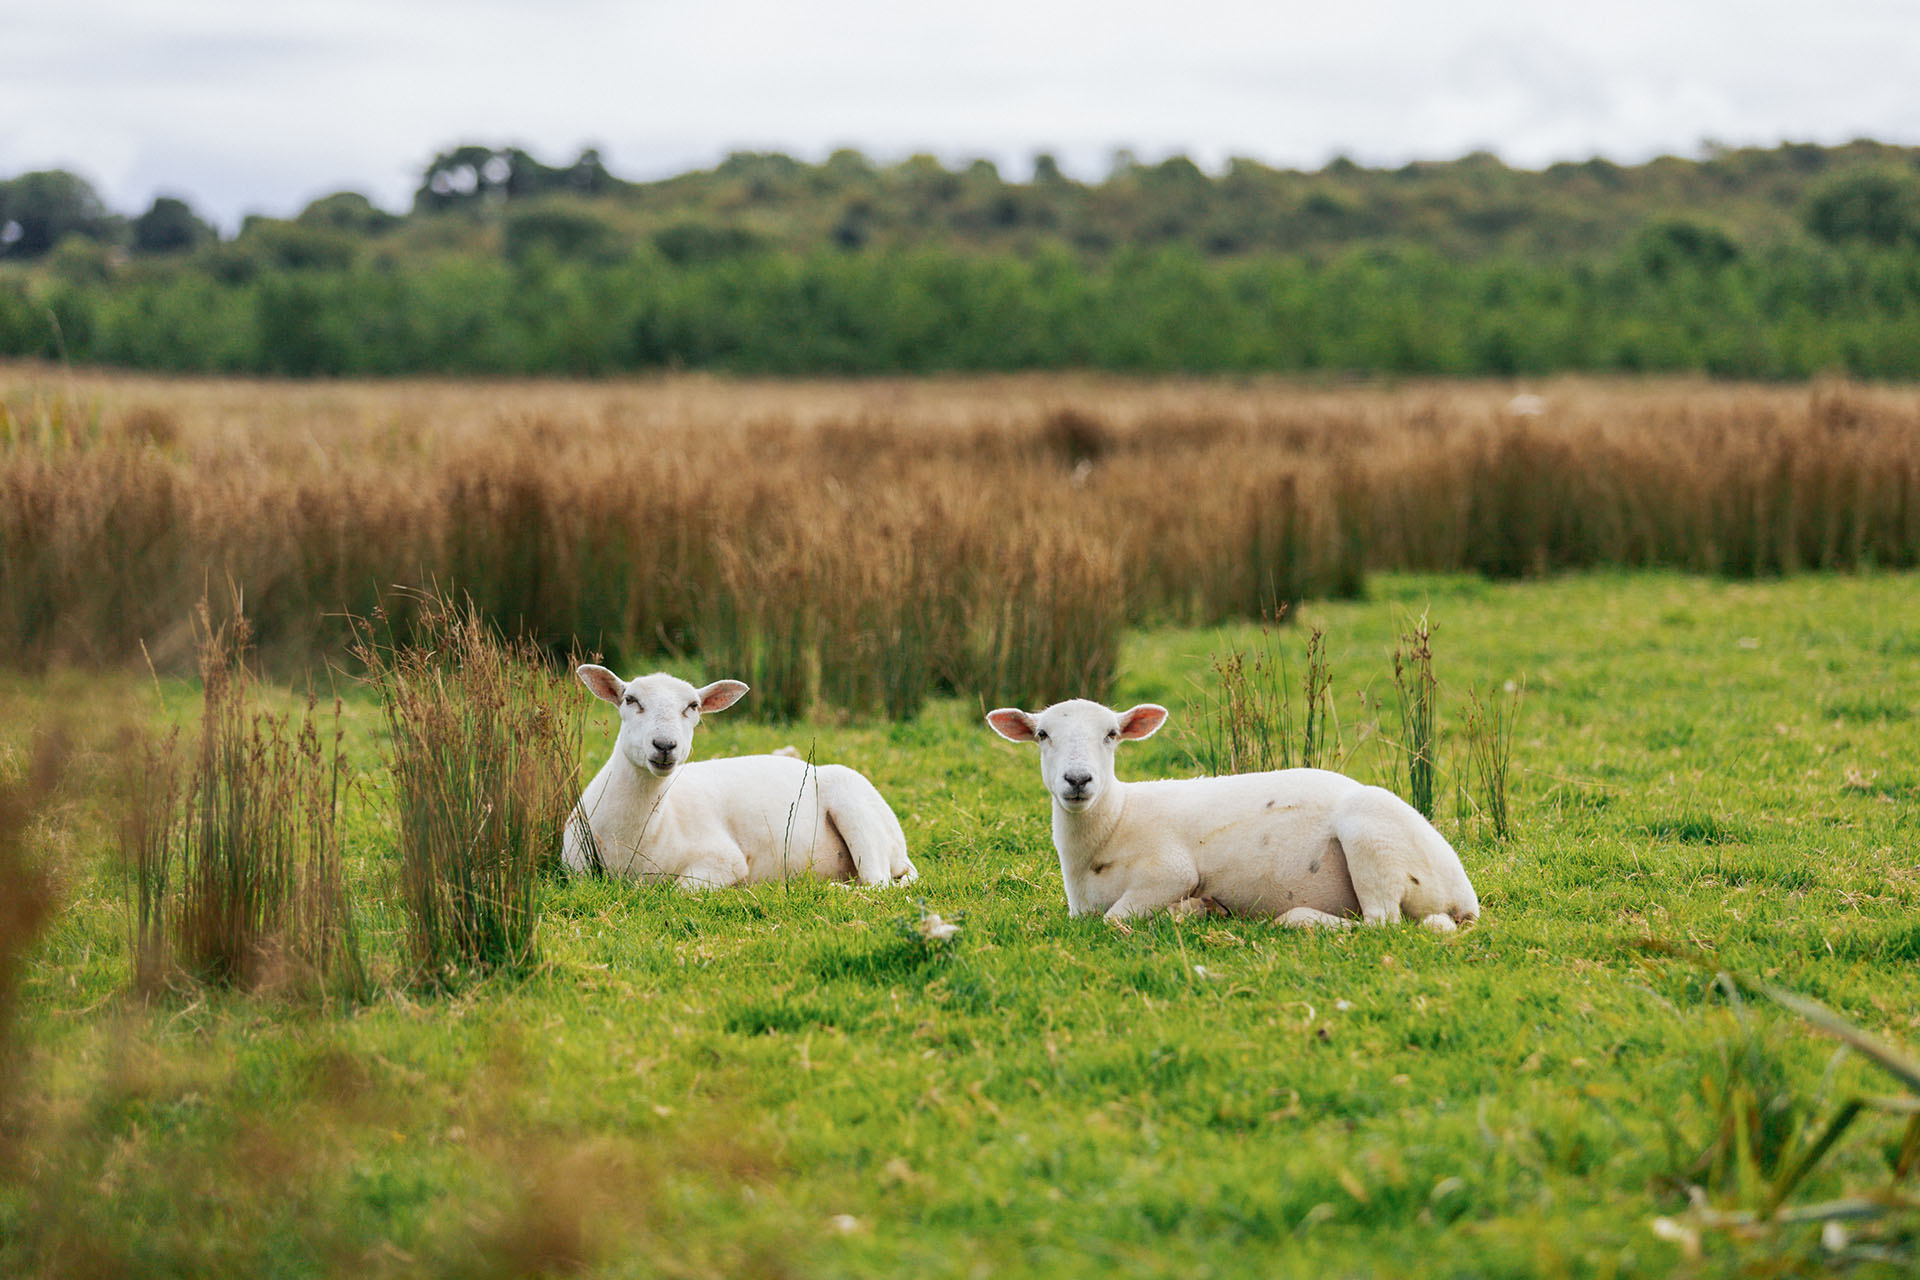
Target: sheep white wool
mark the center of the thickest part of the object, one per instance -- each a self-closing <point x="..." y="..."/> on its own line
<point x="650" y="813"/>
<point x="1308" y="846"/>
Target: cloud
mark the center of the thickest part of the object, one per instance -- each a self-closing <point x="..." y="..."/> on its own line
<point x="251" y="106"/>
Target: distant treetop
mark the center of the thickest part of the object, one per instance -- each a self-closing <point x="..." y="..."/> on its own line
<point x="1670" y="212"/>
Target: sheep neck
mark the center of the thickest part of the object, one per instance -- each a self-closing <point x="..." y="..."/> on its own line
<point x="635" y="790"/>
<point x="1082" y="836"/>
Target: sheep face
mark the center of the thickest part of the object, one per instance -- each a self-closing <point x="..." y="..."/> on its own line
<point x="658" y="714"/>
<point x="1077" y="740"/>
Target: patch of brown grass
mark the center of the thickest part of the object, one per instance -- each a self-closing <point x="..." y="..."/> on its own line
<point x="865" y="545"/>
<point x="233" y="854"/>
<point x="484" y="751"/>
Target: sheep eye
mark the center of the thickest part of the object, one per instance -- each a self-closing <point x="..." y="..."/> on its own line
<point x="1040" y="735"/>
<point x="692" y="707"/>
<point x="1113" y="735"/>
<point x="634" y="703"/>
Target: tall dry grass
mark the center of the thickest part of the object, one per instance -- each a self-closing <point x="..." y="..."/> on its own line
<point x="1419" y="694"/>
<point x="865" y="545"/>
<point x="1490" y="722"/>
<point x="485" y="750"/>
<point x="1243" y="721"/>
<point x="233" y="852"/>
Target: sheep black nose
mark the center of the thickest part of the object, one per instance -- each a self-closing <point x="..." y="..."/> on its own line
<point x="1077" y="778"/>
<point x="665" y="746"/>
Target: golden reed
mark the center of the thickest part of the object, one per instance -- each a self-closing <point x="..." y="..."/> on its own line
<point x="863" y="545"/>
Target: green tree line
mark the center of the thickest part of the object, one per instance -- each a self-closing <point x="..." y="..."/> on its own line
<point x="1755" y="263"/>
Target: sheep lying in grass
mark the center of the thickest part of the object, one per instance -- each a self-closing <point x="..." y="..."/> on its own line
<point x="649" y="814"/>
<point x="1306" y="845"/>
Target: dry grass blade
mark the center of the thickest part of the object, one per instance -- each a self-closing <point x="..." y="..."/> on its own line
<point x="589" y="843"/>
<point x="1851" y="1207"/>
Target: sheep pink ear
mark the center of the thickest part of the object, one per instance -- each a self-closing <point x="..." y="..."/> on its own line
<point x="606" y="686"/>
<point x="721" y="694"/>
<point x="1142" y="721"/>
<point x="1012" y="724"/>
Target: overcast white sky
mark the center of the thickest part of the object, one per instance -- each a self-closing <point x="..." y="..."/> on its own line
<point x="260" y="105"/>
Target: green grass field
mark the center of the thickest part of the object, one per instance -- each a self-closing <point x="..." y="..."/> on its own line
<point x="782" y="1081"/>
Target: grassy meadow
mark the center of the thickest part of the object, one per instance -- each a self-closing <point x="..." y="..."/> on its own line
<point x="782" y="1081"/>
<point x="1714" y="748"/>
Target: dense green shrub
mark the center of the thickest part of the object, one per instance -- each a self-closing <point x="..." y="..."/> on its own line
<point x="170" y="226"/>
<point x="1877" y="206"/>
<point x="349" y="211"/>
<point x="561" y="229"/>
<point x="296" y="246"/>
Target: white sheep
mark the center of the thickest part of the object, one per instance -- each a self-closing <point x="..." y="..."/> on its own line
<point x="1306" y="845"/>
<point x="653" y="815"/>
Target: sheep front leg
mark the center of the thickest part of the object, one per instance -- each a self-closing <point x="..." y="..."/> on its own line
<point x="1155" y="891"/>
<point x="718" y="872"/>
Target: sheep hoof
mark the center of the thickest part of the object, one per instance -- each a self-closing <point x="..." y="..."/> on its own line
<point x="1440" y="922"/>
